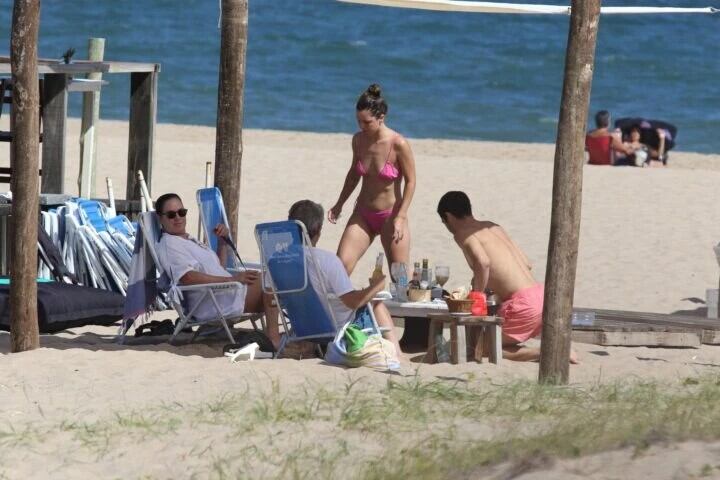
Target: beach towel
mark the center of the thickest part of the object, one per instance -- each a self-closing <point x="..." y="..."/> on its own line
<point x="143" y="283"/>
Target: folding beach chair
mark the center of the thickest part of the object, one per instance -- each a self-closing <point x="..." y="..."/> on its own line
<point x="212" y="212"/>
<point x="150" y="227"/>
<point x="305" y="313"/>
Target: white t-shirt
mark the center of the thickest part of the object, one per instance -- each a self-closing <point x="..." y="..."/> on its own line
<point x="337" y="282"/>
<point x="179" y="255"/>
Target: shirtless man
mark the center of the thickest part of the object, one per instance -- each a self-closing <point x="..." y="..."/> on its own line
<point x="498" y="264"/>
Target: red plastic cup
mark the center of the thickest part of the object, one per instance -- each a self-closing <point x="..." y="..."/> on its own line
<point x="479" y="306"/>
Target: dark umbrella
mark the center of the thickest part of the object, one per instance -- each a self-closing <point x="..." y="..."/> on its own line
<point x="648" y="131"/>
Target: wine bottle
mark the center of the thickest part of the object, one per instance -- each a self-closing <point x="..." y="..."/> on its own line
<point x="425" y="273"/>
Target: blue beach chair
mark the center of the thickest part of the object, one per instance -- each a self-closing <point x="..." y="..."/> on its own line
<point x="305" y="313"/>
<point x="212" y="212"/>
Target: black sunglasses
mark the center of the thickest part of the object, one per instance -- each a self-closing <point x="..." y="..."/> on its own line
<point x="171" y="213"/>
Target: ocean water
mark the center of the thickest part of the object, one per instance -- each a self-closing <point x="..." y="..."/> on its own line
<point x="445" y="75"/>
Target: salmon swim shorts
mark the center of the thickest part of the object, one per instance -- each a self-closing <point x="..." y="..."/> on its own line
<point x="522" y="313"/>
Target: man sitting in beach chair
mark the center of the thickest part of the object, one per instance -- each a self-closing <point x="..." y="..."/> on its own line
<point x="189" y="262"/>
<point x="345" y="299"/>
<point x="499" y="265"/>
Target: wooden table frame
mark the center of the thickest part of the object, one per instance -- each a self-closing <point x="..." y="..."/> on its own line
<point x="143" y="113"/>
<point x="467" y="337"/>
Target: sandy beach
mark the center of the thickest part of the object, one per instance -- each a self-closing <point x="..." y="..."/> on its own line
<point x="84" y="406"/>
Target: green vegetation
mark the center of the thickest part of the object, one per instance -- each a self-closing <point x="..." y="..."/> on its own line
<point x="407" y="428"/>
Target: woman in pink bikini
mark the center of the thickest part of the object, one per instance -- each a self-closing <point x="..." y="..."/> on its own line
<point x="382" y="159"/>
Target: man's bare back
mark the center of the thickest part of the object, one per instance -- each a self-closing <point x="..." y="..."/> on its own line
<point x="509" y="268"/>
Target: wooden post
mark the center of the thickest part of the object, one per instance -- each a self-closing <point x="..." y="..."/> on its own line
<point x="25" y="146"/>
<point x="54" y="119"/>
<point x="228" y="140"/>
<point x="88" y="130"/>
<point x="143" y="108"/>
<point x="567" y="192"/>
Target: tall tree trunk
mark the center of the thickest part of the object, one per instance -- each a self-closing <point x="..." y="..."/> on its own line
<point x="567" y="192"/>
<point x="25" y="183"/>
<point x="228" y="141"/>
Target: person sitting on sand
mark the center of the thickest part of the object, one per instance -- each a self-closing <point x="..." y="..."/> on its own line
<point x="602" y="145"/>
<point x="189" y="262"/>
<point x="345" y="300"/>
<point x="637" y="151"/>
<point x="498" y="264"/>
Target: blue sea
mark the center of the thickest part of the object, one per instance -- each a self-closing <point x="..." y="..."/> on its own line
<point x="445" y="75"/>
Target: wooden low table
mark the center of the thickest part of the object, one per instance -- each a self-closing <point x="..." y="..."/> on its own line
<point x="467" y="335"/>
<point x="417" y="323"/>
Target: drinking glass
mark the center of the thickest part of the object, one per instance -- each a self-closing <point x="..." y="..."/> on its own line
<point x="442" y="274"/>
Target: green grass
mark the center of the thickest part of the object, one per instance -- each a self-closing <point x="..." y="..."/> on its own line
<point x="408" y="428"/>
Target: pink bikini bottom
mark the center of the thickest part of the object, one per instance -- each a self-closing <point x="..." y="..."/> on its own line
<point x="375" y="219"/>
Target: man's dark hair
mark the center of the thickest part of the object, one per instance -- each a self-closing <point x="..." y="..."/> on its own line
<point x="602" y="119"/>
<point x="163" y="199"/>
<point x="311" y="214"/>
<point x="456" y="203"/>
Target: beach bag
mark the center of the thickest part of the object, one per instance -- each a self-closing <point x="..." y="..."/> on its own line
<point x="354" y="348"/>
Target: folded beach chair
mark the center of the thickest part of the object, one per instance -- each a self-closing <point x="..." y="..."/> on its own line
<point x="305" y="313"/>
<point x="147" y="278"/>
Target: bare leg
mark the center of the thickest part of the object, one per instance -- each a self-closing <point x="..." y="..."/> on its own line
<point x="272" y="330"/>
<point x="257" y="301"/>
<point x="253" y="298"/>
<point x="520" y="353"/>
<point x="355" y="241"/>
<point x="396" y="251"/>
<point x="382" y="315"/>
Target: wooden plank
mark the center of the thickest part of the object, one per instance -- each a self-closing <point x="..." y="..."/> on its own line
<point x="46" y="66"/>
<point x="143" y="109"/>
<point x="54" y="126"/>
<point x="637" y="339"/>
<point x="655" y="318"/>
<point x="707" y="328"/>
<point x="90" y="118"/>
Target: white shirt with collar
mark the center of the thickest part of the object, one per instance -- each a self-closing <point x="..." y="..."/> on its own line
<point x="179" y="255"/>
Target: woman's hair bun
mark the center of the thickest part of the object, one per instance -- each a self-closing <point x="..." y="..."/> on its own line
<point x="374" y="90"/>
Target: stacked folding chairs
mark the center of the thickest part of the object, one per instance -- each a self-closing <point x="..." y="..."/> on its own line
<point x="96" y="244"/>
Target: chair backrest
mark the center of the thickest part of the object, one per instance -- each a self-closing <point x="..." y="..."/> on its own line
<point x="599" y="149"/>
<point x="285" y="253"/>
<point x="212" y="212"/>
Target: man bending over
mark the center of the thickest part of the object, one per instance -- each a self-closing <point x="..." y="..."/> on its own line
<point x="498" y="264"/>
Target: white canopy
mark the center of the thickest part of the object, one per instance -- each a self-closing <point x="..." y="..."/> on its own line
<point x="493" y="7"/>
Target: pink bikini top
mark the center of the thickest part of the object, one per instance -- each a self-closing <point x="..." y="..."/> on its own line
<point x="388" y="172"/>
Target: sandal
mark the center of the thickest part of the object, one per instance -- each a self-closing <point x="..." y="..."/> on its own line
<point x="155" y="328"/>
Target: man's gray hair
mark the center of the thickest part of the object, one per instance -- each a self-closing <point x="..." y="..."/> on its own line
<point x="311" y="214"/>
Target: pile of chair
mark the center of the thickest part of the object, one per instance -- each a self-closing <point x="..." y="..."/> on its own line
<point x="96" y="244"/>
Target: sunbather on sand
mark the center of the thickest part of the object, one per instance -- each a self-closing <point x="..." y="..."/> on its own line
<point x="189" y="262"/>
<point x="497" y="263"/>
<point x="345" y="299"/>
